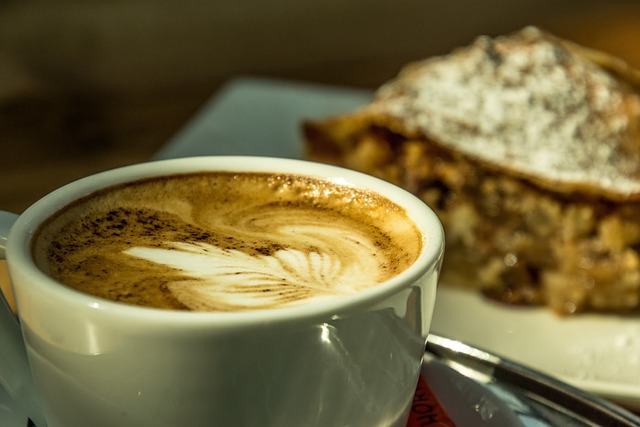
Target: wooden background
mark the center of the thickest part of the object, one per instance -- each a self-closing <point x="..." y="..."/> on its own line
<point x="87" y="86"/>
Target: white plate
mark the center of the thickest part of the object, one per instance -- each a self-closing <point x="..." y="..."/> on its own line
<point x="600" y="354"/>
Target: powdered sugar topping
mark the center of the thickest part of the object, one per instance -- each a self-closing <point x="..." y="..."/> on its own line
<point x="528" y="103"/>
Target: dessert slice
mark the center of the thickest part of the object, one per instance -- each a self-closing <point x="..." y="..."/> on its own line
<point x="528" y="148"/>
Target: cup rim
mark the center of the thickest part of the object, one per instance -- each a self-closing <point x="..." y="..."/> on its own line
<point x="18" y="249"/>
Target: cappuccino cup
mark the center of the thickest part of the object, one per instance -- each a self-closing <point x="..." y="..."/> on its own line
<point x="219" y="291"/>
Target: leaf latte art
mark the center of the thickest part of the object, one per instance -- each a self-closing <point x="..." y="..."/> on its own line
<point x="227" y="242"/>
<point x="230" y="279"/>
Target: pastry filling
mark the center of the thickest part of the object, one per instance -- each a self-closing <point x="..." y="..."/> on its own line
<point x="517" y="243"/>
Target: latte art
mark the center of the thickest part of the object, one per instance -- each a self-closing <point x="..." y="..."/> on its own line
<point x="227" y="242"/>
<point x="227" y="279"/>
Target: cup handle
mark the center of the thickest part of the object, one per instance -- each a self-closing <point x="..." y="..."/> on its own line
<point x="15" y="373"/>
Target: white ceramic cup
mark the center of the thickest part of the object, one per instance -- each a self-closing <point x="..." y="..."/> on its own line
<point x="353" y="361"/>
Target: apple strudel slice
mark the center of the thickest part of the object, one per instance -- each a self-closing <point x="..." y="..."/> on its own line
<point x="528" y="148"/>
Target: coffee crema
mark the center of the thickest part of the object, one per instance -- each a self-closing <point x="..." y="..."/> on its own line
<point x="226" y="241"/>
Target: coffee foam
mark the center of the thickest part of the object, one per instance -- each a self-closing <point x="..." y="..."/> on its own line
<point x="223" y="241"/>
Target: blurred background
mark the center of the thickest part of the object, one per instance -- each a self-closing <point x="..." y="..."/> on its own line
<point x="90" y="85"/>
